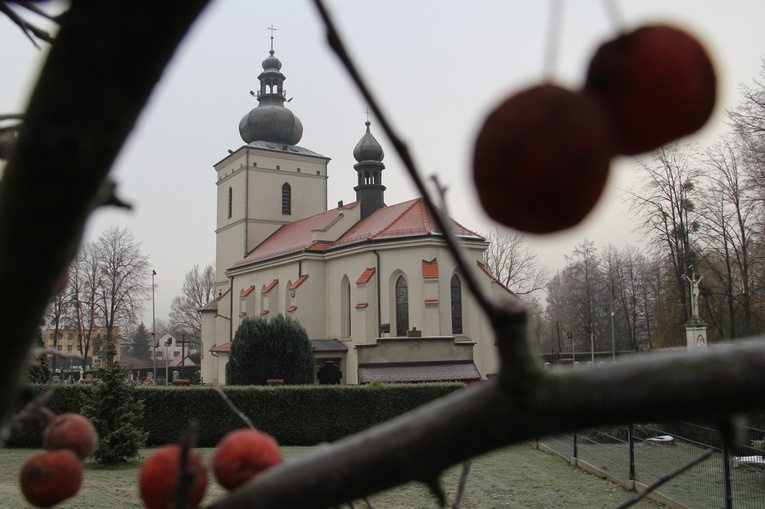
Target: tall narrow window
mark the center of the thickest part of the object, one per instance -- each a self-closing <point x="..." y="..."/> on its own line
<point x="230" y="201"/>
<point x="402" y="307"/>
<point x="286" y="200"/>
<point x="456" y="286"/>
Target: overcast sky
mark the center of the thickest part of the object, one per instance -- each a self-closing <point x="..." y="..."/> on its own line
<point x="436" y="66"/>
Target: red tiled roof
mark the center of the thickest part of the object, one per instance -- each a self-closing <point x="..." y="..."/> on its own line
<point x="225" y="347"/>
<point x="297" y="283"/>
<point x="403" y="220"/>
<point x="430" y="269"/>
<point x="248" y="291"/>
<point x="294" y="237"/>
<point x="431" y="302"/>
<point x="242" y="314"/>
<point x="291" y="309"/>
<point x="270" y="286"/>
<point x="365" y="276"/>
<point x="363" y="305"/>
<point x="265" y="312"/>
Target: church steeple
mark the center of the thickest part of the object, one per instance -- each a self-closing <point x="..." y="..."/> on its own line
<point x="369" y="191"/>
<point x="270" y="120"/>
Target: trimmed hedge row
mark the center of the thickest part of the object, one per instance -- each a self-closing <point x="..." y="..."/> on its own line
<point x="294" y="415"/>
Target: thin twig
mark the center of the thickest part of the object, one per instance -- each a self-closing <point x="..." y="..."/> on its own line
<point x="186" y="472"/>
<point x="34" y="410"/>
<point x="444" y="223"/>
<point x="665" y="478"/>
<point x="231" y="406"/>
<point x="614" y="14"/>
<point x="29" y="29"/>
<point x="554" y="29"/>
<point x="461" y="484"/>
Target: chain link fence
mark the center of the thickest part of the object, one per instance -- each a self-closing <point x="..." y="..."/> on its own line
<point x="636" y="456"/>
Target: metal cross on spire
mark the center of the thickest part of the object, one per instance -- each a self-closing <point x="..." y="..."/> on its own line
<point x="272" y="35"/>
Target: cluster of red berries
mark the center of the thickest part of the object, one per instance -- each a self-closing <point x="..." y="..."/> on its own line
<point x="541" y="159"/>
<point x="56" y="474"/>
<point x="240" y="456"/>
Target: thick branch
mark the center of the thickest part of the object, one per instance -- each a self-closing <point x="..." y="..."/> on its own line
<point x="421" y="444"/>
<point x="104" y="64"/>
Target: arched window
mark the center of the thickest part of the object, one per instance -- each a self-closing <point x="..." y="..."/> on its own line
<point x="402" y="307"/>
<point x="286" y="200"/>
<point x="345" y="308"/>
<point x="230" y="201"/>
<point x="456" y="294"/>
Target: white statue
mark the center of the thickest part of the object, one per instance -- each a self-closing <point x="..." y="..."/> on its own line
<point x="694" y="294"/>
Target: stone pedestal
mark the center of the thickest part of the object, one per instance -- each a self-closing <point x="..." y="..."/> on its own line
<point x="696" y="334"/>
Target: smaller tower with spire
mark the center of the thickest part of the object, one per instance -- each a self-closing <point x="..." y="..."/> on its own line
<point x="369" y="191"/>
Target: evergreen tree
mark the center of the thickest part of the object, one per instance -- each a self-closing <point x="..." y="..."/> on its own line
<point x="115" y="413"/>
<point x="276" y="349"/>
<point x="140" y="345"/>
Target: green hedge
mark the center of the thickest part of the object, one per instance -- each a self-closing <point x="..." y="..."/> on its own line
<point x="294" y="415"/>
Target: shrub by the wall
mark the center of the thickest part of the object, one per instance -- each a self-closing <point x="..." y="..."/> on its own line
<point x="294" y="415"/>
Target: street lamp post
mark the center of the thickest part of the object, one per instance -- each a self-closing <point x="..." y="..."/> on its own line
<point x="153" y="330"/>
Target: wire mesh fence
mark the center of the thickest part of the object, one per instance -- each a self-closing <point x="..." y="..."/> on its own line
<point x="733" y="476"/>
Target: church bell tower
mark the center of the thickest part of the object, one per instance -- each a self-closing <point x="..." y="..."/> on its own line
<point x="270" y="180"/>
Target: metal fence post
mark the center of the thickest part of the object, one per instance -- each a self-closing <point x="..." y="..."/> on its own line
<point x="726" y="475"/>
<point x="575" y="446"/>
<point x="631" y="445"/>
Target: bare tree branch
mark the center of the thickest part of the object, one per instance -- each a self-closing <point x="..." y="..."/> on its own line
<point x="106" y="60"/>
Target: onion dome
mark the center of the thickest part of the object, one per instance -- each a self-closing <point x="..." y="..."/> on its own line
<point x="270" y="121"/>
<point x="368" y="149"/>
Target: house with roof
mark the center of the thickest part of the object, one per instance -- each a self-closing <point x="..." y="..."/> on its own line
<point x="374" y="285"/>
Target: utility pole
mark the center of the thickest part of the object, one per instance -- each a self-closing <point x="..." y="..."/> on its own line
<point x="153" y="330"/>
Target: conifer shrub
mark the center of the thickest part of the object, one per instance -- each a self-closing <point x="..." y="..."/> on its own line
<point x="115" y="412"/>
<point x="276" y="349"/>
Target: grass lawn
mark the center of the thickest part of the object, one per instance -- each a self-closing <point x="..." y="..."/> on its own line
<point x="517" y="477"/>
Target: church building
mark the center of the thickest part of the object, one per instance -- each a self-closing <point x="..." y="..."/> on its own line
<point x="374" y="285"/>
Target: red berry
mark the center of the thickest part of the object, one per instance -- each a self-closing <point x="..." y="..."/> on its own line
<point x="73" y="432"/>
<point x="541" y="159"/>
<point x="657" y="83"/>
<point x="243" y="454"/>
<point x="50" y="477"/>
<point x="159" y="478"/>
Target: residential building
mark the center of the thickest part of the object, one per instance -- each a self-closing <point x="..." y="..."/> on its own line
<point x="71" y="341"/>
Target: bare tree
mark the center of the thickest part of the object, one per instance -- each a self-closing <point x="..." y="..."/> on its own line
<point x="729" y="214"/>
<point x="58" y="315"/>
<point x="748" y="121"/>
<point x="122" y="287"/>
<point x="85" y="314"/>
<point x="521" y="403"/>
<point x="198" y="290"/>
<point x="514" y="262"/>
<point x="664" y="200"/>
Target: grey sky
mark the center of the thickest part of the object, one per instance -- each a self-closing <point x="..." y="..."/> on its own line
<point x="437" y="67"/>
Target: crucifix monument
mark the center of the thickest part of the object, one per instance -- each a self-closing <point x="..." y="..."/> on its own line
<point x="695" y="328"/>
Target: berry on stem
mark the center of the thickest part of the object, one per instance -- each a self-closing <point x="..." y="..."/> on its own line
<point x="73" y="432"/>
<point x="541" y="159"/>
<point x="158" y="482"/>
<point x="243" y="454"/>
<point x="50" y="477"/>
<point x="657" y="83"/>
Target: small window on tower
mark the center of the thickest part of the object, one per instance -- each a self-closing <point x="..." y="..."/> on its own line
<point x="286" y="200"/>
<point x="230" y="201"/>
